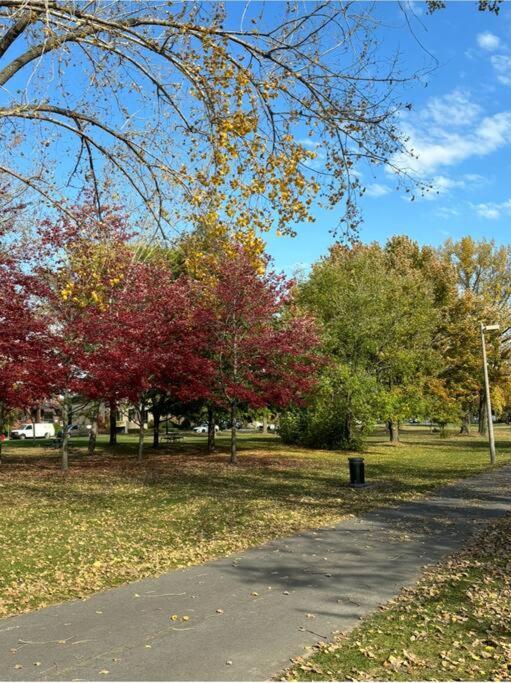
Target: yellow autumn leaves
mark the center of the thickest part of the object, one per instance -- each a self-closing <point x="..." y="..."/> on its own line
<point x="91" y="272"/>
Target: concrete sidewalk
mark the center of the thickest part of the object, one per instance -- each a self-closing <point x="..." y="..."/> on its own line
<point x="249" y="614"/>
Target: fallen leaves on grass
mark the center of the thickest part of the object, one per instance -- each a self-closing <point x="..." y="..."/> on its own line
<point x="111" y="521"/>
<point x="455" y="623"/>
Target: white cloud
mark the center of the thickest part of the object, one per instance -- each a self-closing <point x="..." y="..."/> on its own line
<point x="476" y="179"/>
<point x="502" y="66"/>
<point x="447" y="212"/>
<point x="493" y="210"/>
<point x="436" y="147"/>
<point x="452" y="110"/>
<point x="377" y="190"/>
<point x="488" y="41"/>
<point x="487" y="211"/>
<point x="442" y="184"/>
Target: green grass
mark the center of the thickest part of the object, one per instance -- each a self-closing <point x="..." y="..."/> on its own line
<point x="455" y="624"/>
<point x="112" y="520"/>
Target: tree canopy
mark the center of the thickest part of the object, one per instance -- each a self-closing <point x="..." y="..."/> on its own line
<point x="208" y="118"/>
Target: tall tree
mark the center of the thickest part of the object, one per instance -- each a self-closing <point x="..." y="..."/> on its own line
<point x="82" y="262"/>
<point x="482" y="279"/>
<point x="26" y="358"/>
<point x="379" y="317"/>
<point x="262" y="353"/>
<point x="150" y="340"/>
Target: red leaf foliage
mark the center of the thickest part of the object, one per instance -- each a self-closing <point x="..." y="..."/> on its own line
<point x="263" y="352"/>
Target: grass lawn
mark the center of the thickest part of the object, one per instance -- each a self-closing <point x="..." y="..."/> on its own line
<point x="455" y="624"/>
<point x="111" y="520"/>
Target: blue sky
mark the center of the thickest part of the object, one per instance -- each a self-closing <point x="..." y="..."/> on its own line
<point x="460" y="126"/>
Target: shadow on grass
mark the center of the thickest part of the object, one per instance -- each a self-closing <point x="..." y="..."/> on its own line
<point x="295" y="478"/>
<point x="255" y="481"/>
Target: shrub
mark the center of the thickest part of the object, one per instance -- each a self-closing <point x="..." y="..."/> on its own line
<point x="338" y="415"/>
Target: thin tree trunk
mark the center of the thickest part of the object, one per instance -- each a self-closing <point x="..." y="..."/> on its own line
<point x="65" y="435"/>
<point x="141" y="432"/>
<point x="233" y="459"/>
<point x="483" y="423"/>
<point x="93" y="435"/>
<point x="113" y="423"/>
<point x="156" y="427"/>
<point x="234" y="406"/>
<point x="265" y="422"/>
<point x="211" y="429"/>
<point x="2" y="427"/>
<point x="347" y="429"/>
<point x="465" y="424"/>
<point x="393" y="427"/>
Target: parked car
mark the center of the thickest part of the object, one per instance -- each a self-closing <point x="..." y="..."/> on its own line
<point x="226" y="424"/>
<point x="203" y="429"/>
<point x="39" y="430"/>
<point x="78" y="430"/>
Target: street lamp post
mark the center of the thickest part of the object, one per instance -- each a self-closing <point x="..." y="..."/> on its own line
<point x="491" y="437"/>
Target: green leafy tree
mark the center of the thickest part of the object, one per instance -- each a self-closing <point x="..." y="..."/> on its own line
<point x="481" y="293"/>
<point x="379" y="314"/>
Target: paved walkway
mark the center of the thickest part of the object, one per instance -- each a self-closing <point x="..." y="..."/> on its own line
<point x="249" y="614"/>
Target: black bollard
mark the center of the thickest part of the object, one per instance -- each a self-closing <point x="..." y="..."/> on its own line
<point x="357" y="473"/>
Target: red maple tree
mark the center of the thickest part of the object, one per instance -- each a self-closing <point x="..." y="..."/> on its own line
<point x="151" y="337"/>
<point x="26" y="351"/>
<point x="81" y="264"/>
<point x="262" y="350"/>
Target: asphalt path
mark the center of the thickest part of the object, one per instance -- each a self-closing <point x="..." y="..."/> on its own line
<point x="243" y="617"/>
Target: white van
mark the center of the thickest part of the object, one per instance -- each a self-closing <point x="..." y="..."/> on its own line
<point x="43" y="430"/>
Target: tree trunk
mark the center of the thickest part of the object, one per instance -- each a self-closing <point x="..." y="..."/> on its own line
<point x="265" y="422"/>
<point x="65" y="435"/>
<point x="393" y="427"/>
<point x="347" y="429"/>
<point x="211" y="429"/>
<point x="93" y="435"/>
<point x="465" y="424"/>
<point x="156" y="427"/>
<point x="2" y="427"/>
<point x="483" y="423"/>
<point x="141" y="432"/>
<point x="113" y="423"/>
<point x="233" y="459"/>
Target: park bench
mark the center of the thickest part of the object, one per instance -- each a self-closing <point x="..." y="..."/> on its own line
<point x="172" y="437"/>
<point x="55" y="443"/>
